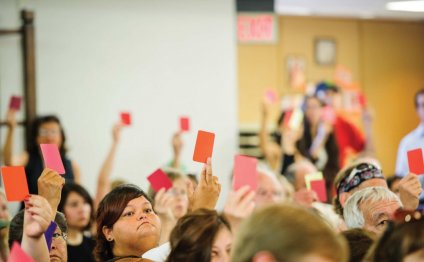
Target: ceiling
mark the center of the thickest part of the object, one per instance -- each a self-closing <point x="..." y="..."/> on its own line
<point x="366" y="9"/>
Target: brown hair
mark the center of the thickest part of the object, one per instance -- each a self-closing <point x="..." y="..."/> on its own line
<point x="359" y="241"/>
<point x="193" y="236"/>
<point x="417" y="94"/>
<point x="288" y="233"/>
<point x="337" y="180"/>
<point x="109" y="211"/>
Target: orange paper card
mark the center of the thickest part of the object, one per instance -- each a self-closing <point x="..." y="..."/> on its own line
<point x="204" y="146"/>
<point x="15" y="183"/>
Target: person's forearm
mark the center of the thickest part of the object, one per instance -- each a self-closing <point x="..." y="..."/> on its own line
<point x="36" y="248"/>
<point x="176" y="162"/>
<point x="103" y="181"/>
<point x="167" y="226"/>
<point x="263" y="135"/>
<point x="369" y="141"/>
<point x="4" y="249"/>
<point x="8" y="147"/>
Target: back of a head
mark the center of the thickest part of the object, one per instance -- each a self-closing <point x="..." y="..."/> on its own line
<point x="359" y="241"/>
<point x="288" y="233"/>
<point x="193" y="235"/>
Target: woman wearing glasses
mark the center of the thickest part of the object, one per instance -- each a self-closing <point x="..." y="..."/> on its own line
<point x="44" y="130"/>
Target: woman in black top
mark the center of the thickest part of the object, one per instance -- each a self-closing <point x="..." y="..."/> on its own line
<point x="77" y="205"/>
<point x="44" y="130"/>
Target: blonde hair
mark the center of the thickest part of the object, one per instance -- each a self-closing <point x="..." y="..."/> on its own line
<point x="289" y="233"/>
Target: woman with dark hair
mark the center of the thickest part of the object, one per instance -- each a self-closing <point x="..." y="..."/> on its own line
<point x="201" y="236"/>
<point x="77" y="206"/>
<point x="280" y="151"/>
<point x="127" y="226"/>
<point x="44" y="130"/>
<point x="318" y="142"/>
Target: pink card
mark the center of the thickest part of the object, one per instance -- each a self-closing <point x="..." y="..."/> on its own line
<point x="184" y="124"/>
<point x="319" y="187"/>
<point x="15" y="103"/>
<point x="15" y="183"/>
<point x="415" y="161"/>
<point x="52" y="158"/>
<point x="204" y="146"/>
<point x="245" y="172"/>
<point x="126" y="118"/>
<point x="271" y="96"/>
<point x="18" y="255"/>
<point x="159" y="180"/>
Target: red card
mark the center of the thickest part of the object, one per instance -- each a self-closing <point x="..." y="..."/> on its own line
<point x="18" y="255"/>
<point x="245" y="172"/>
<point x="287" y="116"/>
<point x="204" y="146"/>
<point x="184" y="124"/>
<point x="415" y="161"/>
<point x="15" y="103"/>
<point x="52" y="158"/>
<point x="362" y="100"/>
<point x="319" y="187"/>
<point x="159" y="180"/>
<point x="126" y="118"/>
<point x="15" y="183"/>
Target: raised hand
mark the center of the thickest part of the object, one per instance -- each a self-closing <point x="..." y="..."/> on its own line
<point x="116" y="132"/>
<point x="50" y="185"/>
<point x="11" y="118"/>
<point x="37" y="216"/>
<point x="240" y="203"/>
<point x="409" y="191"/>
<point x="163" y="204"/>
<point x="207" y="191"/>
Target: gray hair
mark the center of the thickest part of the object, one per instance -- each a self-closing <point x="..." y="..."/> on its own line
<point x="353" y="215"/>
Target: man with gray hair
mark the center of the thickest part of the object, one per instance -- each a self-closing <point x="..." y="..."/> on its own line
<point x="371" y="208"/>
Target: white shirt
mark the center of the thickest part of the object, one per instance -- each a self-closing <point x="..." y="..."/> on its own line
<point x="158" y="254"/>
<point x="413" y="140"/>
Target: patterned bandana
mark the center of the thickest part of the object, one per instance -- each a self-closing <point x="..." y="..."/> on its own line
<point x="359" y="174"/>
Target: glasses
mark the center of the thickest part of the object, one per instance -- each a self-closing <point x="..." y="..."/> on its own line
<point x="63" y="235"/>
<point x="177" y="192"/>
<point x="48" y="132"/>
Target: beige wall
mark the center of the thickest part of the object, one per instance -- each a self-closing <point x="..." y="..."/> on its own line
<point x="385" y="57"/>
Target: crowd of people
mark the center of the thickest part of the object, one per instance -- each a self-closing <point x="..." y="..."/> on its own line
<point x="368" y="216"/>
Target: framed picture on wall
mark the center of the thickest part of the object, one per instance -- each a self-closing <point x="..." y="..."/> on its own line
<point x="325" y="51"/>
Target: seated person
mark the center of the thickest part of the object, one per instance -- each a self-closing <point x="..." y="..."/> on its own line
<point x="402" y="241"/>
<point x="203" y="235"/>
<point x="58" y="250"/>
<point x="287" y="233"/>
<point x="371" y="209"/>
<point x="362" y="175"/>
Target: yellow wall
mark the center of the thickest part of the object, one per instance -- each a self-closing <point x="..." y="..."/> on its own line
<point x="385" y="57"/>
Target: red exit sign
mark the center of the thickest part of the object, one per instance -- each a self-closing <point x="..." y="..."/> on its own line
<point x="256" y="28"/>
